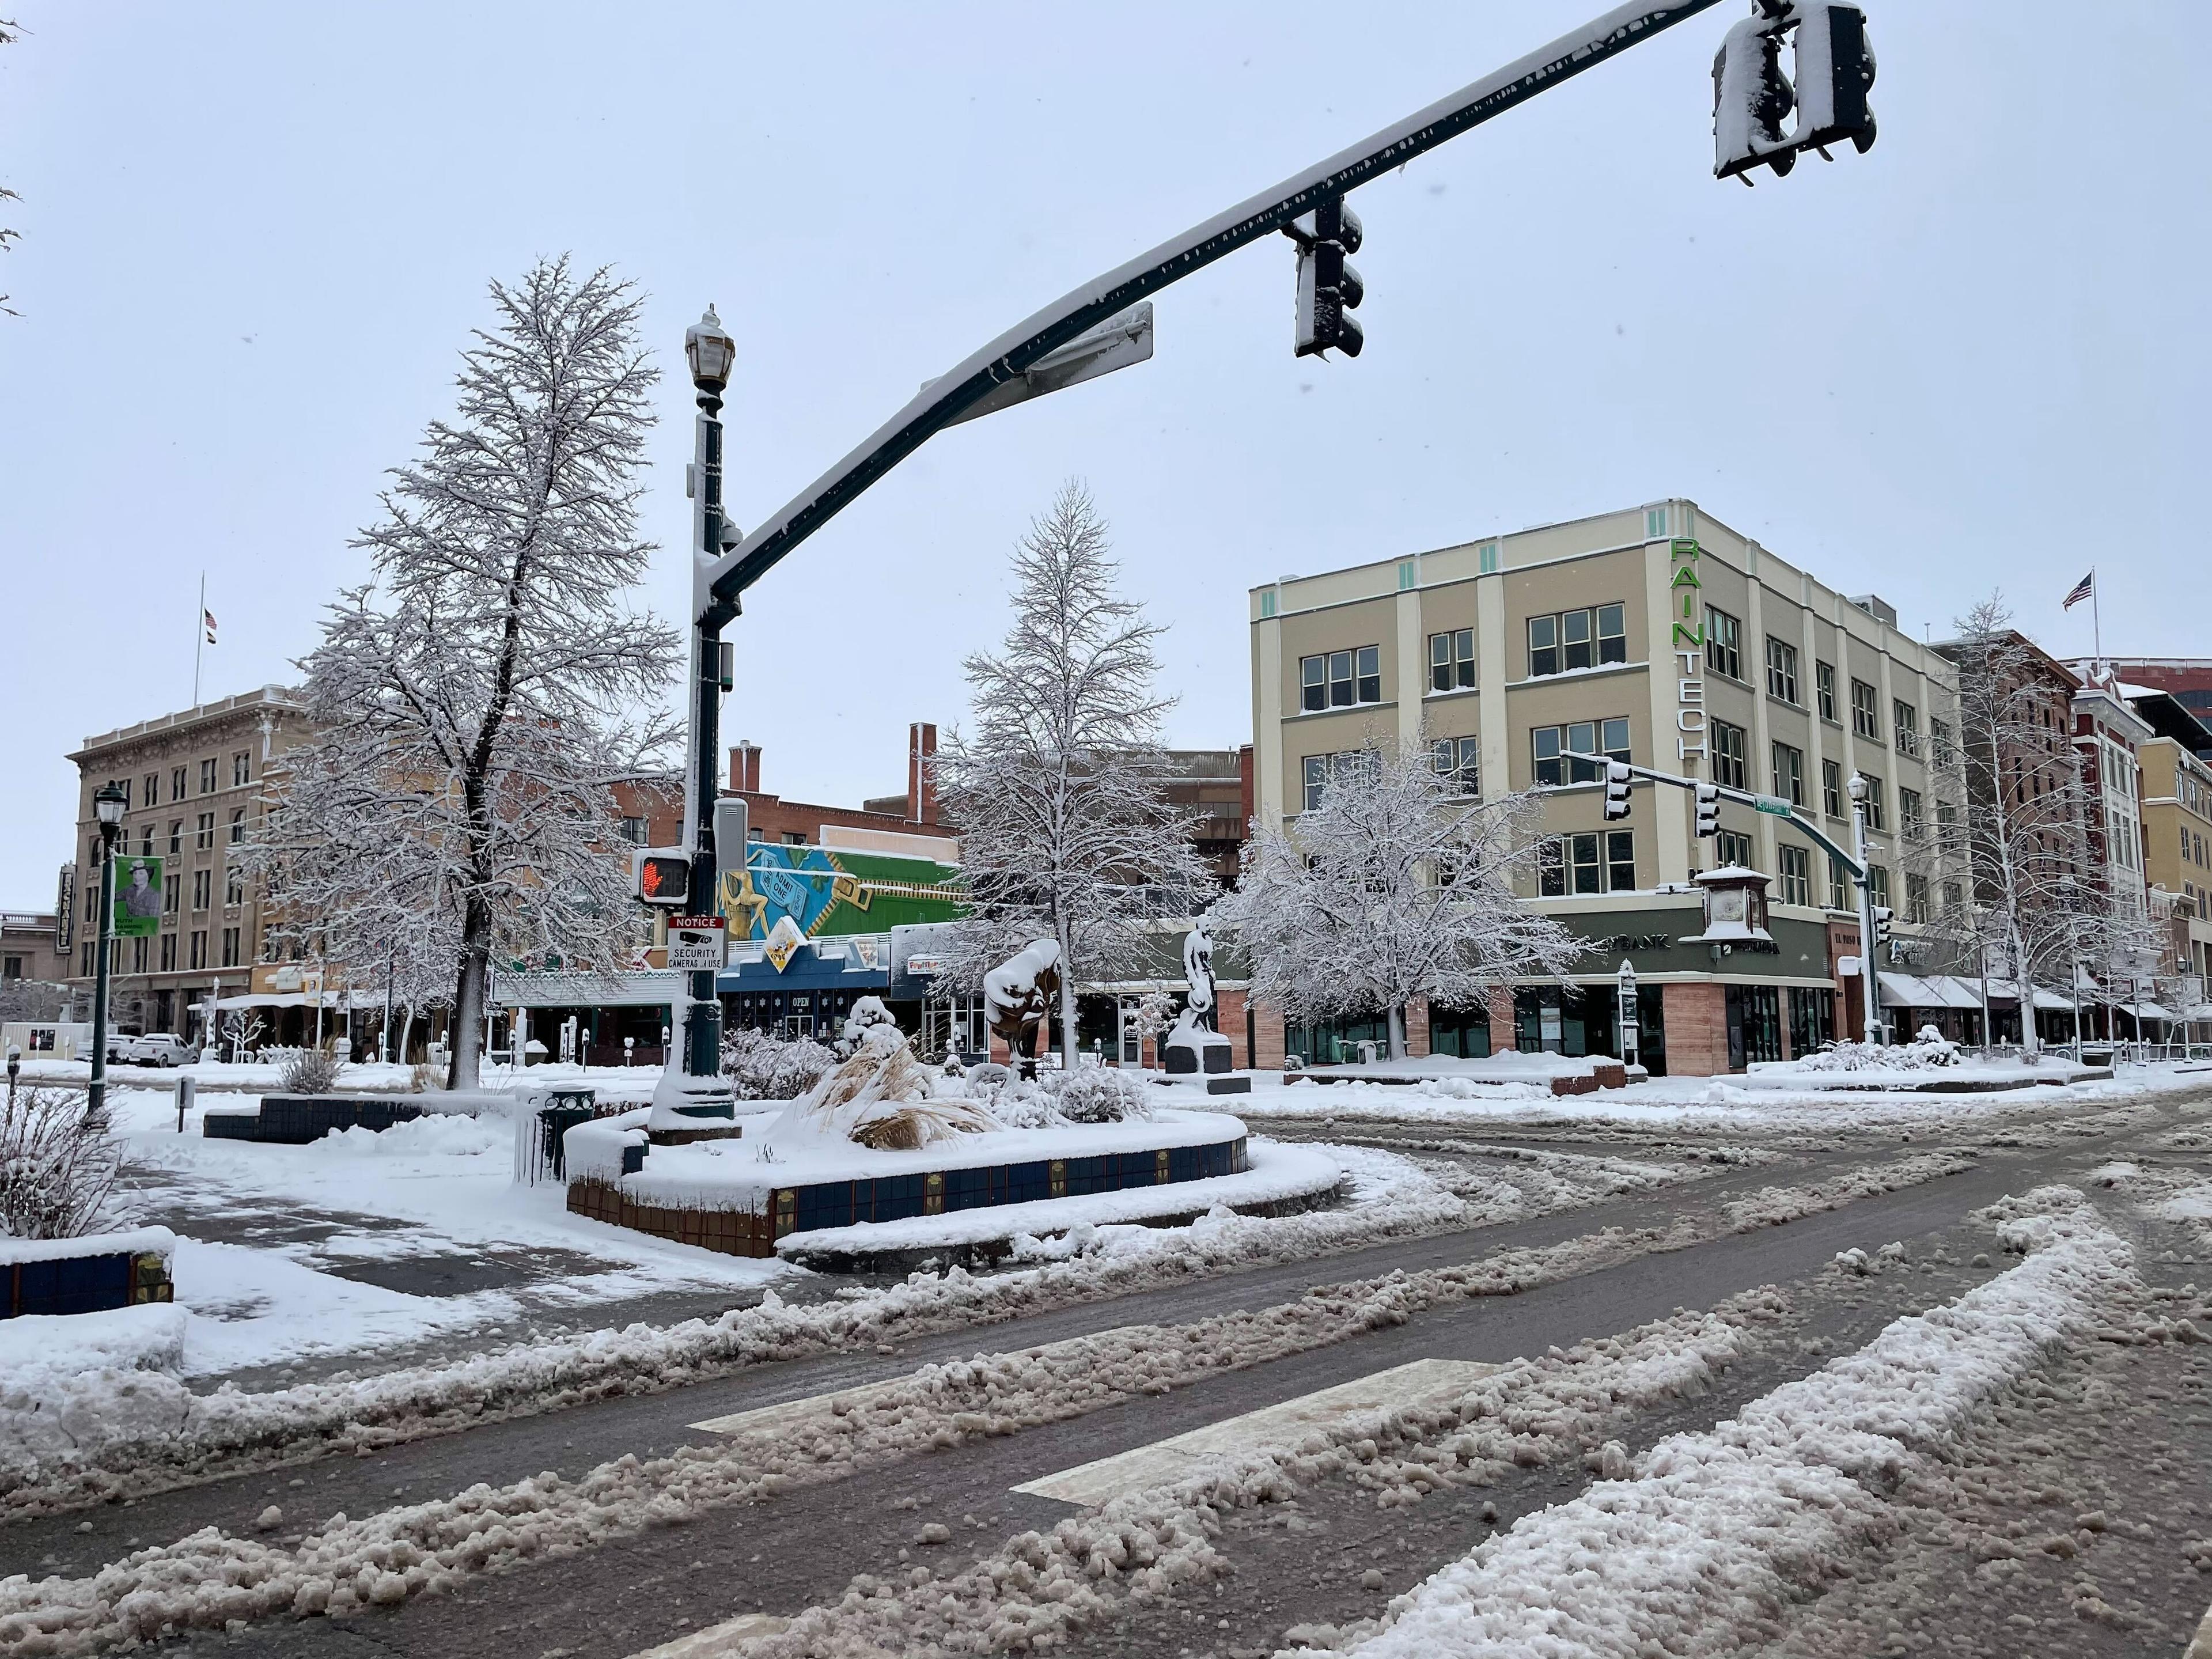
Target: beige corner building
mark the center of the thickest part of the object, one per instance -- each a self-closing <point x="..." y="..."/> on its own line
<point x="1655" y="635"/>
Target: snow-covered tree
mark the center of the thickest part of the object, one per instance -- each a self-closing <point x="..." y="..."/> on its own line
<point x="1060" y="791"/>
<point x="1395" y="887"/>
<point x="474" y="699"/>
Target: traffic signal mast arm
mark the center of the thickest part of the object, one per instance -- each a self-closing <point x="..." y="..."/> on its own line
<point x="1773" y="806"/>
<point x="953" y="396"/>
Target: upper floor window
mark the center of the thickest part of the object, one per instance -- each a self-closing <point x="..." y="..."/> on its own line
<point x="1323" y="771"/>
<point x="1866" y="710"/>
<point x="1796" y="875"/>
<point x="1780" y="670"/>
<point x="177" y="775"/>
<point x="1550" y="745"/>
<point x="1824" y="688"/>
<point x="241" y="768"/>
<point x="1341" y="679"/>
<point x="1723" y="643"/>
<point x="1789" y="773"/>
<point x="152" y="789"/>
<point x="1577" y="638"/>
<point x="1877" y="816"/>
<point x="1729" y="744"/>
<point x="1732" y="847"/>
<point x="1910" y="820"/>
<point x="632" y="832"/>
<point x="204" y="832"/>
<point x="1458" y="761"/>
<point x="1604" y="862"/>
<point x="1905" y="723"/>
<point x="1939" y="742"/>
<point x="1451" y="660"/>
<point x="207" y="775"/>
<point x="1831" y="789"/>
<point x="237" y="826"/>
<point x="176" y="836"/>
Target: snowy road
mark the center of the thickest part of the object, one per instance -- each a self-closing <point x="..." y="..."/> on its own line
<point x="1961" y="1550"/>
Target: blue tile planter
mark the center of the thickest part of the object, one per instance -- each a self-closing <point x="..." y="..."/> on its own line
<point x="300" y="1120"/>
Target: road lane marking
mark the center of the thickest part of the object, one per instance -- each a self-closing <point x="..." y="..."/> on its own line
<point x="718" y="1639"/>
<point x="769" y="1419"/>
<point x="1424" y="1382"/>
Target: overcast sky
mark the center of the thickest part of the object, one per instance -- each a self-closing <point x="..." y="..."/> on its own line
<point x="254" y="237"/>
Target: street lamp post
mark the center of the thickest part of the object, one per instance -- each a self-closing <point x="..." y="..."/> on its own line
<point x="691" y="1083"/>
<point x="107" y="804"/>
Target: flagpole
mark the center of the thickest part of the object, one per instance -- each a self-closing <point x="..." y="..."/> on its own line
<point x="2096" y="620"/>
<point x="199" y="639"/>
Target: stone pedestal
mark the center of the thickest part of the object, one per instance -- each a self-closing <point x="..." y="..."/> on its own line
<point x="1203" y="1057"/>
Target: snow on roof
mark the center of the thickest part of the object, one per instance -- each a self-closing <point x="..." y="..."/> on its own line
<point x="1729" y="872"/>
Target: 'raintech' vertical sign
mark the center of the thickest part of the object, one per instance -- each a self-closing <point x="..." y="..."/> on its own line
<point x="1688" y="640"/>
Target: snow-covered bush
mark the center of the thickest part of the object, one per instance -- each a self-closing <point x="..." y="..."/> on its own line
<point x="57" y="1176"/>
<point x="1929" y="1051"/>
<point x="1098" y="1094"/>
<point x="310" y="1071"/>
<point x="761" y="1065"/>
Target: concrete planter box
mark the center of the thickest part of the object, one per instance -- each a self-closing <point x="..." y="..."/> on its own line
<point x="85" y="1275"/>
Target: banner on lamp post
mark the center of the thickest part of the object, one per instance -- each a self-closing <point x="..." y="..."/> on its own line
<point x="137" y="896"/>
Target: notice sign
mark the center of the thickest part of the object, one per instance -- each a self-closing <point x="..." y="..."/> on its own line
<point x="698" y="945"/>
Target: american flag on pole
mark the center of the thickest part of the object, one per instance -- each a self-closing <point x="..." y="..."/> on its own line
<point x="2082" y="589"/>
<point x="207" y="619"/>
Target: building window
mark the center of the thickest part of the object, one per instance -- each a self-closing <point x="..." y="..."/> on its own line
<point x="146" y="839"/>
<point x="1954" y="894"/>
<point x="1812" y="1019"/>
<point x="1451" y="660"/>
<point x="1796" y="875"/>
<point x="1723" y="643"/>
<point x="1780" y="670"/>
<point x="1831" y="788"/>
<point x="233" y="885"/>
<point x="203" y="888"/>
<point x="138" y="955"/>
<point x="168" y="953"/>
<point x="176" y="836"/>
<point x="1878" y="879"/>
<point x="1730" y="847"/>
<point x="204" y="835"/>
<point x="1824" y="688"/>
<point x="207" y="775"/>
<point x="1597" y="863"/>
<point x="1915" y="898"/>
<point x="1550" y="745"/>
<point x="1877" y="818"/>
<point x="199" y="948"/>
<point x="172" y="889"/>
<point x="1839" y="885"/>
<point x="1866" y="711"/>
<point x="632" y="832"/>
<point x="1729" y="749"/>
<point x="1910" y="822"/>
<point x="152" y="789"/>
<point x="1341" y="679"/>
<point x="1939" y="742"/>
<point x="237" y="826"/>
<point x="1458" y="762"/>
<point x="241" y="768"/>
<point x="230" y="947"/>
<point x="177" y="783"/>
<point x="1323" y="770"/>
<point x="1905" y="723"/>
<point x="1789" y="773"/>
<point x="1577" y="638"/>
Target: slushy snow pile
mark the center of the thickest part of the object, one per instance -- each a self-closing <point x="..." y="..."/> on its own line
<point x="1716" y="1534"/>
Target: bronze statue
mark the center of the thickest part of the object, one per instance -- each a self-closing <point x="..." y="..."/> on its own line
<point x="1018" y="994"/>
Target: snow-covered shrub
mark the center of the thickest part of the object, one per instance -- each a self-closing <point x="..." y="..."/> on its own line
<point x="310" y="1071"/>
<point x="1098" y="1094"/>
<point x="761" y="1065"/>
<point x="868" y="1010"/>
<point x="57" y="1176"/>
<point x="1023" y="1106"/>
<point x="1929" y="1051"/>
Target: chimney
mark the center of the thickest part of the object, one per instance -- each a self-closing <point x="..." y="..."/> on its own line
<point x="922" y="773"/>
<point x="745" y="766"/>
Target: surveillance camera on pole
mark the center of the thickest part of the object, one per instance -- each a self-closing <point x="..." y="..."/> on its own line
<point x="1328" y="286"/>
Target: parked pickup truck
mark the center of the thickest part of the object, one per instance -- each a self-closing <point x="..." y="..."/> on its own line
<point x="154" y="1048"/>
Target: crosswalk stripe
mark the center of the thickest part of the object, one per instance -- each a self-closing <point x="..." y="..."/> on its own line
<point x="1423" y="1382"/>
<point x="717" y="1641"/>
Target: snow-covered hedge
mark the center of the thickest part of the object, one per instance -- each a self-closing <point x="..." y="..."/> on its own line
<point x="761" y="1065"/>
<point x="1098" y="1094"/>
<point x="1929" y="1051"/>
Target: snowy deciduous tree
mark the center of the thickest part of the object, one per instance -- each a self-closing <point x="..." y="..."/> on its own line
<point x="1393" y="888"/>
<point x="474" y="699"/>
<point x="1061" y="792"/>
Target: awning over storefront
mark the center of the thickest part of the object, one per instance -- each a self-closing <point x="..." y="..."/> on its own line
<point x="816" y="966"/>
<point x="639" y="987"/>
<point x="1950" y="991"/>
<point x="286" y="999"/>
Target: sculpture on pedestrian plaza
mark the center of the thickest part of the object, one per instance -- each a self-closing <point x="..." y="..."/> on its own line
<point x="1018" y="995"/>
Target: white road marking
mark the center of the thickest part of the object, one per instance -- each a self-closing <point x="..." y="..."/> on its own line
<point x="1424" y="1381"/>
<point x="725" y="1638"/>
<point x="768" y="1420"/>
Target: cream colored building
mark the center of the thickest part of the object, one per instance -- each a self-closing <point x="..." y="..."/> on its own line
<point x="1659" y="635"/>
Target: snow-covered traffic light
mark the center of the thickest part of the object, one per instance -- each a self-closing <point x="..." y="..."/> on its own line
<point x="1709" y="811"/>
<point x="1328" y="288"/>
<point x="663" y="877"/>
<point x="1881" y="915"/>
<point x="1616" y="791"/>
<point x="1751" y="96"/>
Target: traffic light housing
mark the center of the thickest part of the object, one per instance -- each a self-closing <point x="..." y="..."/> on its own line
<point x="1881" y="915"/>
<point x="1751" y="96"/>
<point x="1709" y="811"/>
<point x="1328" y="286"/>
<point x="663" y="877"/>
<point x="1616" y="791"/>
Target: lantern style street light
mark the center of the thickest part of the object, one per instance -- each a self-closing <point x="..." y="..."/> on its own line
<point x="108" y="802"/>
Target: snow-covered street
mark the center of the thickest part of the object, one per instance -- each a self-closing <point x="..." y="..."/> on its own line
<point x="1548" y="1248"/>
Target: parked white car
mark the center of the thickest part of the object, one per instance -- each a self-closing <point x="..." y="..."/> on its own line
<point x="154" y="1048"/>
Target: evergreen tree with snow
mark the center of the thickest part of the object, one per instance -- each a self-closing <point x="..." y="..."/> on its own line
<point x="1059" y="790"/>
<point x="1395" y="887"/>
<point x="474" y="698"/>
